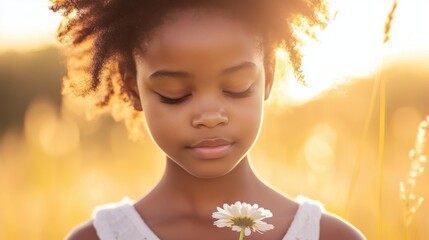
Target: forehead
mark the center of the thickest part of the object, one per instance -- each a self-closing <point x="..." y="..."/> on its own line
<point x="198" y="19"/>
<point x="203" y="34"/>
<point x="203" y="25"/>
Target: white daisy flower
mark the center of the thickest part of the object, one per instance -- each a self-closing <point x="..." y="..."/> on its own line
<point x="243" y="218"/>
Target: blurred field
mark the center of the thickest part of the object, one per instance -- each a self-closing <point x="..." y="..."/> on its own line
<point x="55" y="166"/>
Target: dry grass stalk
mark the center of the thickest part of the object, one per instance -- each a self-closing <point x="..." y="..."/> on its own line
<point x="380" y="85"/>
<point x="389" y="22"/>
<point x="382" y="125"/>
<point x="410" y="200"/>
<point x="381" y="144"/>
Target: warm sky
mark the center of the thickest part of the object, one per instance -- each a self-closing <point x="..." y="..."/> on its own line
<point x="351" y="46"/>
<point x="26" y="24"/>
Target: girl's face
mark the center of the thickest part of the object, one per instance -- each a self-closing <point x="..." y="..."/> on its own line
<point x="201" y="84"/>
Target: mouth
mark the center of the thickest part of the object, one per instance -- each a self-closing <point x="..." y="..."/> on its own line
<point x="212" y="148"/>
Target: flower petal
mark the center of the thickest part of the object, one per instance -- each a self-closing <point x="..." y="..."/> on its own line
<point x="247" y="231"/>
<point x="245" y="215"/>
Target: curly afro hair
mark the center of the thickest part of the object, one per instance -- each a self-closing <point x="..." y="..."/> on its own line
<point x="99" y="34"/>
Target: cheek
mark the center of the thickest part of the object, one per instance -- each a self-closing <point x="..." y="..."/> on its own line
<point x="157" y="114"/>
<point x="164" y="125"/>
<point x="159" y="121"/>
<point x="246" y="117"/>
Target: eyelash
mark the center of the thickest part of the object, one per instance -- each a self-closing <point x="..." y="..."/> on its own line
<point x="173" y="101"/>
<point x="244" y="94"/>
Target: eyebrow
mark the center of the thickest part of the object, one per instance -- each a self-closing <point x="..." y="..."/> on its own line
<point x="181" y="74"/>
<point x="241" y="66"/>
<point x="167" y="73"/>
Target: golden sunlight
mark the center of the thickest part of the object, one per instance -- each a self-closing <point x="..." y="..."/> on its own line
<point x="351" y="47"/>
<point x="26" y="24"/>
<point x="333" y="140"/>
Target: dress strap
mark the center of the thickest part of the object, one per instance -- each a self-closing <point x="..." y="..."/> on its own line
<point x="120" y="221"/>
<point x="306" y="223"/>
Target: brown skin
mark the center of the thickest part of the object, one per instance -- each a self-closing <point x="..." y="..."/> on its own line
<point x="208" y="58"/>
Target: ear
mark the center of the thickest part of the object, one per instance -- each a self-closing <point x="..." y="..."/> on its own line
<point x="128" y="75"/>
<point x="269" y="66"/>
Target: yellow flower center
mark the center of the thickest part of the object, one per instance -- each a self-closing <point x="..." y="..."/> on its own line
<point x="243" y="221"/>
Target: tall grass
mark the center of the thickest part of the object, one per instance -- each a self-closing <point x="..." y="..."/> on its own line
<point x="379" y="87"/>
<point x="411" y="202"/>
<point x="382" y="125"/>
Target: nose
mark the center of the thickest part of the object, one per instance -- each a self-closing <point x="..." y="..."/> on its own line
<point x="210" y="114"/>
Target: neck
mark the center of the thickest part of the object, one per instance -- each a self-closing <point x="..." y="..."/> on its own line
<point x="198" y="196"/>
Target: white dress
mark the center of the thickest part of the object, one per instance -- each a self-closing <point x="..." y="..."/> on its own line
<point x="121" y="221"/>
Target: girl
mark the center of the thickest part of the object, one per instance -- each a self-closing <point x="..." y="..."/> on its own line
<point x="200" y="72"/>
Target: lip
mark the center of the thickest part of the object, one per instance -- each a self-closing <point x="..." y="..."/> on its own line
<point x="211" y="148"/>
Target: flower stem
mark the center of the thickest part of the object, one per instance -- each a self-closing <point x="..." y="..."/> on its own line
<point x="242" y="233"/>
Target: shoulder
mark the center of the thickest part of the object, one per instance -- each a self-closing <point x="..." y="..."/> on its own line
<point x="85" y="231"/>
<point x="333" y="227"/>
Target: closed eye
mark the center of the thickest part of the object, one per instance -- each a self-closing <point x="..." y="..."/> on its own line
<point x="168" y="100"/>
<point x="243" y="94"/>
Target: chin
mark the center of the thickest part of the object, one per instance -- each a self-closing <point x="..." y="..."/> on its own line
<point x="209" y="173"/>
<point x="212" y="169"/>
